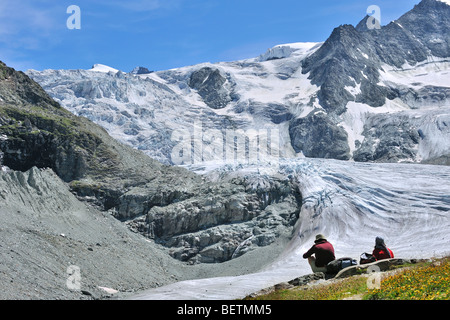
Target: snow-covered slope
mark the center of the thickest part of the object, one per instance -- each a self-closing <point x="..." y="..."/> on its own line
<point x="145" y="110"/>
<point x="351" y="203"/>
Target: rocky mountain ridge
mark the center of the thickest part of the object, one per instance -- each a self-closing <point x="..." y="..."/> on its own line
<point x="356" y="55"/>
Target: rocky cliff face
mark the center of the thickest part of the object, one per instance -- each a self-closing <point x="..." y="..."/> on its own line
<point x="214" y="88"/>
<point x="351" y="66"/>
<point x="224" y="221"/>
<point x="317" y="137"/>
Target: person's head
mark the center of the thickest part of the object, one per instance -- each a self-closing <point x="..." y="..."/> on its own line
<point x="379" y="241"/>
<point x="320" y="237"/>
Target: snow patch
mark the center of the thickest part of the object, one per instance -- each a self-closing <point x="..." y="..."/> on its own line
<point x="103" y="68"/>
<point x="431" y="72"/>
<point x="287" y="50"/>
<point x="445" y="1"/>
<point x="355" y="90"/>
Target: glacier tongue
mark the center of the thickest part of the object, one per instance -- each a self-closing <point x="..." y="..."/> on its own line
<point x="351" y="203"/>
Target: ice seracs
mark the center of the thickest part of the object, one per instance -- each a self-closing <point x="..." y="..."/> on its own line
<point x="287" y="50"/>
<point x="144" y="110"/>
<point x="140" y="70"/>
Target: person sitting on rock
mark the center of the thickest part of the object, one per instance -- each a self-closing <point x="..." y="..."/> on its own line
<point x="323" y="252"/>
<point x="380" y="251"/>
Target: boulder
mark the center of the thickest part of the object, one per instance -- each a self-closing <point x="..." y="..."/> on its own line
<point x="379" y="266"/>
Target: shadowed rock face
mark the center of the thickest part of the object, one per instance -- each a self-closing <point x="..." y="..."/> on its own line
<point x="37" y="130"/>
<point x="213" y="87"/>
<point x="318" y="137"/>
<point x="18" y="88"/>
<point x="388" y="140"/>
<point x="224" y="221"/>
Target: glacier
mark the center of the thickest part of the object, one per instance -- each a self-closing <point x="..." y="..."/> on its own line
<point x="144" y="110"/>
<point x="351" y="203"/>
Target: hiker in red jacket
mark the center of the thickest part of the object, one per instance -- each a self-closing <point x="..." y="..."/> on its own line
<point x="380" y="251"/>
<point x="323" y="252"/>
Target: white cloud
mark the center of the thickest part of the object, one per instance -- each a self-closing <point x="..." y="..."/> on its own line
<point x="26" y="21"/>
<point x="28" y="26"/>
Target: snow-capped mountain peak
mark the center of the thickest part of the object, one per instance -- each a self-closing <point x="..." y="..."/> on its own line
<point x="287" y="50"/>
<point x="103" y="68"/>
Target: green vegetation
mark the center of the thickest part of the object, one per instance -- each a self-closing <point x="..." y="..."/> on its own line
<point x="54" y="138"/>
<point x="428" y="282"/>
<point x="422" y="281"/>
<point x="327" y="291"/>
<point x="38" y="117"/>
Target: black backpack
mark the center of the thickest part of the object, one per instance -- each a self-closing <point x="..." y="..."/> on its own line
<point x="367" y="258"/>
<point x="337" y="265"/>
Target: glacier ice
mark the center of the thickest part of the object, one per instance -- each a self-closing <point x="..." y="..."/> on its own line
<point x="351" y="203"/>
<point x="144" y="110"/>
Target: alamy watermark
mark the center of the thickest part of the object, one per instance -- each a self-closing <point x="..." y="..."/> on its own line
<point x="374" y="20"/>
<point x="74" y="21"/>
<point x="229" y="146"/>
<point x="374" y="279"/>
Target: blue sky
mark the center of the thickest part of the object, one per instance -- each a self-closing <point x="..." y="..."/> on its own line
<point x="166" y="34"/>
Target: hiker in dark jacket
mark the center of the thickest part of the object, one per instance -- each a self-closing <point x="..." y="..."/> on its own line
<point x="380" y="251"/>
<point x="323" y="252"/>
